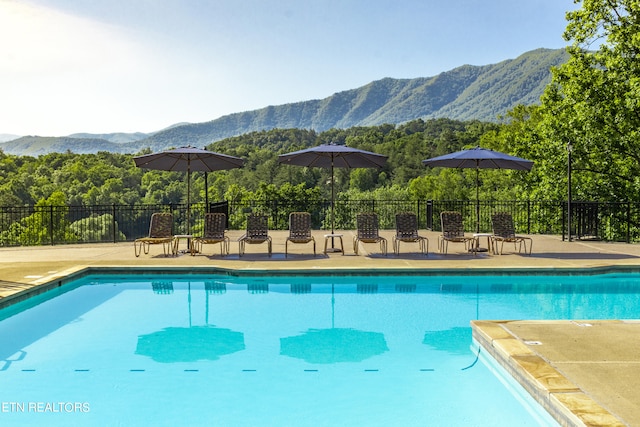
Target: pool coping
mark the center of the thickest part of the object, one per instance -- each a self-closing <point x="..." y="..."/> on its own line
<point x="58" y="279"/>
<point x="567" y="403"/>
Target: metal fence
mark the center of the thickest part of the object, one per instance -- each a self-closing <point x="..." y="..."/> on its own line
<point x="53" y="225"/>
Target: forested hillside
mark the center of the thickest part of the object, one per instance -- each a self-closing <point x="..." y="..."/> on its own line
<point x="108" y="178"/>
<point x="466" y="93"/>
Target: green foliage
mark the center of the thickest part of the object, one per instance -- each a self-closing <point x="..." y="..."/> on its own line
<point x="593" y="103"/>
<point x="48" y="223"/>
<point x="111" y="178"/>
<point x="95" y="228"/>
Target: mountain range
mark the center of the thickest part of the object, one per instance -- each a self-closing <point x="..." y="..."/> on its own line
<point x="463" y="93"/>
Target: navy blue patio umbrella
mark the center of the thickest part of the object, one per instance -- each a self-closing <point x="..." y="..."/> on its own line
<point x="479" y="158"/>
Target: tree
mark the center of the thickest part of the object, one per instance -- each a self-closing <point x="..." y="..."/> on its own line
<point x="593" y="102"/>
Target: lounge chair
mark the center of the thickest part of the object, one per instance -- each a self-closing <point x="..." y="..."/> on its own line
<point x="160" y="232"/>
<point x="367" y="232"/>
<point x="214" y="228"/>
<point x="407" y="231"/>
<point x="257" y="232"/>
<point x="453" y="231"/>
<point x="299" y="230"/>
<point x="504" y="231"/>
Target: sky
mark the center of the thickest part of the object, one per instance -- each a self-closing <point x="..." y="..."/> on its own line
<point x="104" y="66"/>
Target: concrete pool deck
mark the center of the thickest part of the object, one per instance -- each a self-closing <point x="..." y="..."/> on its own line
<point x="587" y="371"/>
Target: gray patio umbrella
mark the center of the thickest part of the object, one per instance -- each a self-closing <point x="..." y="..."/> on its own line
<point x="188" y="159"/>
<point x="479" y="158"/>
<point x="333" y="156"/>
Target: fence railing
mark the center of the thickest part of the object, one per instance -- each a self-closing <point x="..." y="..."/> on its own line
<point x="52" y="225"/>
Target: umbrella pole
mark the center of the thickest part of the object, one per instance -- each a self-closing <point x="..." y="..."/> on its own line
<point x="189" y="201"/>
<point x="206" y="192"/>
<point x="477" y="201"/>
<point x="332" y="203"/>
<point x="477" y="248"/>
<point x="333" y="248"/>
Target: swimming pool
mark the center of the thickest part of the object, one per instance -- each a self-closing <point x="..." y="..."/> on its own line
<point x="289" y="350"/>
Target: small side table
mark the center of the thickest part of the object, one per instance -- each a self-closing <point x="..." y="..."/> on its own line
<point x="489" y="245"/>
<point x="176" y="243"/>
<point x="332" y="248"/>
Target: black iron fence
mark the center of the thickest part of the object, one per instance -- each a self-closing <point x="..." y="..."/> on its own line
<point x="52" y="225"/>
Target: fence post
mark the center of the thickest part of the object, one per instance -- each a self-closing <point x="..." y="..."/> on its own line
<point x="529" y="216"/>
<point x="429" y="219"/>
<point x="628" y="222"/>
<point x="51" y="224"/>
<point x="113" y="221"/>
<point x="564" y="219"/>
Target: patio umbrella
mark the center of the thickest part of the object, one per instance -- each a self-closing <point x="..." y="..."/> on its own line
<point x="188" y="159"/>
<point x="333" y="156"/>
<point x="479" y="158"/>
<point x="334" y="345"/>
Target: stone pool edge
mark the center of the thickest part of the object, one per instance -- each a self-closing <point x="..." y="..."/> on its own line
<point x="565" y="401"/>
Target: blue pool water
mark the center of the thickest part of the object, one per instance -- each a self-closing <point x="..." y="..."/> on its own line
<point x="280" y="351"/>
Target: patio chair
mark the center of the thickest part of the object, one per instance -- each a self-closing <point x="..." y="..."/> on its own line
<point x="214" y="228"/>
<point x="407" y="231"/>
<point x="299" y="230"/>
<point x="257" y="232"/>
<point x="504" y="231"/>
<point x="453" y="231"/>
<point x="160" y="232"/>
<point x="367" y="232"/>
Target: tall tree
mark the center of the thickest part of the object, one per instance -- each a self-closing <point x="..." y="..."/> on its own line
<point x="593" y="102"/>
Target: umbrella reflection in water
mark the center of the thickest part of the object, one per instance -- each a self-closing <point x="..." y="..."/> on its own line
<point x="194" y="343"/>
<point x="324" y="346"/>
